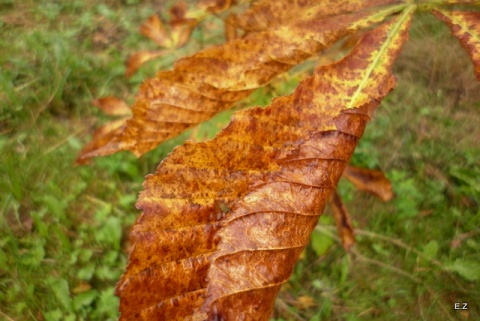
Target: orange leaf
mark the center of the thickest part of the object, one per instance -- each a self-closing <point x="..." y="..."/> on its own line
<point x="268" y="14"/>
<point x="225" y="220"/>
<point x="112" y="106"/>
<point x="181" y="31"/>
<point x="101" y="136"/>
<point x="371" y="181"/>
<point x="139" y="58"/>
<point x="154" y="29"/>
<point x="466" y="27"/>
<point x="178" y="13"/>
<point x="214" y="79"/>
<point x="343" y="221"/>
<point x="305" y="302"/>
<point x="214" y="6"/>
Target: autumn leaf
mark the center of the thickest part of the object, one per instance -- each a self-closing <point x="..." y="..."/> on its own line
<point x="267" y="14"/>
<point x="343" y="222"/>
<point x="139" y="58"/>
<point x="369" y="180"/>
<point x="173" y="35"/>
<point x="181" y="26"/>
<point x="466" y="27"/>
<point x="225" y="220"/>
<point x="112" y="106"/>
<point x="214" y="79"/>
<point x="154" y="29"/>
<point x="214" y="6"/>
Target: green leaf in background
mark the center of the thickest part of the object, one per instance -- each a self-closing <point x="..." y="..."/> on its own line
<point x="107" y="304"/>
<point x="86" y="272"/>
<point x="84" y="299"/>
<point x="54" y="315"/>
<point x="408" y="197"/>
<point x="321" y="242"/>
<point x="431" y="249"/>
<point x="34" y="255"/>
<point x="467" y="176"/>
<point x="469" y="270"/>
<point x="110" y="232"/>
<point x="59" y="287"/>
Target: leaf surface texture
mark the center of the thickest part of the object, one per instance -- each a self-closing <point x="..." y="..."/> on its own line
<point x="224" y="221"/>
<point x="214" y="79"/>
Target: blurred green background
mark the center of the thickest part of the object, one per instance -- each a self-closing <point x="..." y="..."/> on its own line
<point x="64" y="228"/>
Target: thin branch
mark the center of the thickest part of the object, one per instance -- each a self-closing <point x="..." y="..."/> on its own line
<point x="280" y="304"/>
<point x="6" y="316"/>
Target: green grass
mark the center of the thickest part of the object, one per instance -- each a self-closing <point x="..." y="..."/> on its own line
<point x="64" y="229"/>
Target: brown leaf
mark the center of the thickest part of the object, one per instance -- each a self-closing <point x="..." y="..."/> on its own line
<point x="215" y="78"/>
<point x="112" y="106"/>
<point x="181" y="31"/>
<point x="178" y="13"/>
<point x="154" y="29"/>
<point x="466" y="27"/>
<point x="225" y="220"/>
<point x="305" y="302"/>
<point x="369" y="180"/>
<point x="102" y="135"/>
<point x="81" y="287"/>
<point x="181" y="26"/>
<point x="139" y="58"/>
<point x="267" y="14"/>
<point x="230" y="29"/>
<point x="343" y="221"/>
<point x="215" y="6"/>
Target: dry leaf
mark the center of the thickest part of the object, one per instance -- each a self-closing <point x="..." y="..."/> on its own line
<point x="112" y="106"/>
<point x="369" y="180"/>
<point x="343" y="222"/>
<point x="154" y="29"/>
<point x="215" y="6"/>
<point x="139" y="58"/>
<point x="225" y="220"/>
<point x="268" y="14"/>
<point x="305" y="302"/>
<point x="81" y="287"/>
<point x="214" y="79"/>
